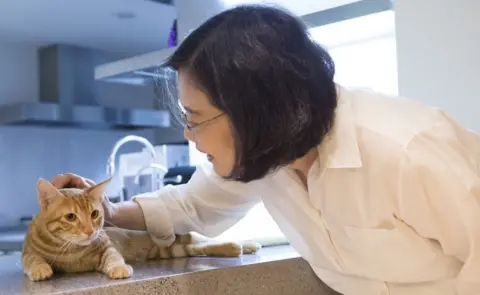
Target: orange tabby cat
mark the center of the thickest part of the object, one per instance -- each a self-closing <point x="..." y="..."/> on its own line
<point x="67" y="235"/>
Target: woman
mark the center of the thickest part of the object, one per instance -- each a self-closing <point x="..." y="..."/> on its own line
<point x="379" y="194"/>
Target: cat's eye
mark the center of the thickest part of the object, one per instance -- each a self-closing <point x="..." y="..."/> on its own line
<point x="95" y="214"/>
<point x="70" y="217"/>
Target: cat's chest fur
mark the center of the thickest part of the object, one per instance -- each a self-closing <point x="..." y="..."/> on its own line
<point x="80" y="259"/>
<point x="82" y="265"/>
<point x="73" y="264"/>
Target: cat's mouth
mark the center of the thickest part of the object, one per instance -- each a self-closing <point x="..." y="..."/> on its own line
<point x="84" y="241"/>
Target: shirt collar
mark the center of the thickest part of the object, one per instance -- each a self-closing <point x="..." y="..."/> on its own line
<point x="340" y="147"/>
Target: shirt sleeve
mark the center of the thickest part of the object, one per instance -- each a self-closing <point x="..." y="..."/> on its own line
<point x="207" y="204"/>
<point x="440" y="195"/>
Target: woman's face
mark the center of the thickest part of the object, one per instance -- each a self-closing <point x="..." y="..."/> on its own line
<point x="209" y="127"/>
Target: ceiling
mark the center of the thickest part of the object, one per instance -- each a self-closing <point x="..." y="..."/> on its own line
<point x="88" y="23"/>
<point x="129" y="26"/>
<point x="298" y="7"/>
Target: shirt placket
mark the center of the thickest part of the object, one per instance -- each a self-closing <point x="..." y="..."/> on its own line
<point x="324" y="240"/>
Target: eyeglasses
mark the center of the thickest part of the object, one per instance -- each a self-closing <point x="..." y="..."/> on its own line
<point x="192" y="127"/>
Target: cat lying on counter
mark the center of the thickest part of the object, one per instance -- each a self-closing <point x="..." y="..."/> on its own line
<point x="68" y="235"/>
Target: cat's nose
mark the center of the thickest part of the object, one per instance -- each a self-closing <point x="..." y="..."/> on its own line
<point x="89" y="232"/>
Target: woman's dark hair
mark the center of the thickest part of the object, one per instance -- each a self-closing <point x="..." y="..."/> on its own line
<point x="259" y="65"/>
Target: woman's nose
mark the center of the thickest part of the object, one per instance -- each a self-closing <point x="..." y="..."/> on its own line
<point x="188" y="134"/>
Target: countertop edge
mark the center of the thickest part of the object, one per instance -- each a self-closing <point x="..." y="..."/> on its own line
<point x="273" y="270"/>
<point x="282" y="276"/>
<point x="283" y="256"/>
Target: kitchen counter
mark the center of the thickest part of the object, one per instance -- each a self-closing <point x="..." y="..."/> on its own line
<point x="273" y="270"/>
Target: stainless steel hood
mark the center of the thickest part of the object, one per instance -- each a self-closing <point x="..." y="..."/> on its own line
<point x="144" y="69"/>
<point x="67" y="97"/>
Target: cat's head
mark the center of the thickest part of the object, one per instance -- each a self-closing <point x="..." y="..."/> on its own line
<point x="74" y="215"/>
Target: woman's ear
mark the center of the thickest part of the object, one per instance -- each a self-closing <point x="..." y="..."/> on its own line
<point x="97" y="191"/>
<point x="46" y="193"/>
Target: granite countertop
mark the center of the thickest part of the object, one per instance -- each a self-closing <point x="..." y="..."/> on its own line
<point x="273" y="270"/>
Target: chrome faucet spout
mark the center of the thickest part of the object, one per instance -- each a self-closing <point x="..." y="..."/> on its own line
<point x="111" y="169"/>
<point x="152" y="166"/>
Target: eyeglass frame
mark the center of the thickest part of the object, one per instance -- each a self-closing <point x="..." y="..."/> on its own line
<point x="196" y="125"/>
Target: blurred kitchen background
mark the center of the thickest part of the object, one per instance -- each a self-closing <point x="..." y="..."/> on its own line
<point x="81" y="91"/>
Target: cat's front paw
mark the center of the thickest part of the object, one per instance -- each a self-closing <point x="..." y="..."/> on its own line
<point x="251" y="247"/>
<point x="228" y="250"/>
<point x="40" y="272"/>
<point x="122" y="271"/>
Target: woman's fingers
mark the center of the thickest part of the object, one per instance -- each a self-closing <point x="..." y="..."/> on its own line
<point x="60" y="181"/>
<point x="89" y="181"/>
<point x="71" y="180"/>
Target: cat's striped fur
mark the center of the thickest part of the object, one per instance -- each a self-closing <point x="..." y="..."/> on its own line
<point x="58" y="242"/>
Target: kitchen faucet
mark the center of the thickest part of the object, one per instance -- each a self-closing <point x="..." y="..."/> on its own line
<point x="111" y="159"/>
<point x="156" y="184"/>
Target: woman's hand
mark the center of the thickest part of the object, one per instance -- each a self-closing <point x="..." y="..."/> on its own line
<point x="70" y="180"/>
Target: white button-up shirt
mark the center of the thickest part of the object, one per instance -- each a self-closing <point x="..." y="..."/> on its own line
<point x="392" y="205"/>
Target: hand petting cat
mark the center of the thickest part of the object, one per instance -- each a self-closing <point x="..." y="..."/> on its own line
<point x="71" y="180"/>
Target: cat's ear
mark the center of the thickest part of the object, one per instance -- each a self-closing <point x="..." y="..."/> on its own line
<point x="46" y="193"/>
<point x="97" y="191"/>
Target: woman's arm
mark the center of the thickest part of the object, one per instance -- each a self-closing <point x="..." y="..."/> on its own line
<point x="207" y="204"/>
<point x="440" y="195"/>
<point x="127" y="215"/>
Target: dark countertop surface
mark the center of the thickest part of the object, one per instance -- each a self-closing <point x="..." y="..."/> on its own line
<point x="12" y="280"/>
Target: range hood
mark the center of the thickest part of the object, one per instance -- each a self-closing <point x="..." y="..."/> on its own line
<point x="67" y="97"/>
<point x="143" y="69"/>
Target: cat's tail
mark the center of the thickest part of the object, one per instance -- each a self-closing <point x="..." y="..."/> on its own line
<point x="212" y="249"/>
<point x="138" y="246"/>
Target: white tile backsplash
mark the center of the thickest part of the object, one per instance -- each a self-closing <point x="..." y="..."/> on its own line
<point x="27" y="153"/>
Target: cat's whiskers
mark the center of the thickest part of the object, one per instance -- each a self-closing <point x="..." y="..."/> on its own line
<point x="120" y="230"/>
<point x="63" y="249"/>
<point x="84" y="249"/>
<point x="106" y="240"/>
<point x="117" y="238"/>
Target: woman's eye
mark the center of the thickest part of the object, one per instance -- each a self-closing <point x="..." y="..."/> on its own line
<point x="187" y="122"/>
<point x="95" y="214"/>
<point x="70" y="217"/>
<point x="191" y="124"/>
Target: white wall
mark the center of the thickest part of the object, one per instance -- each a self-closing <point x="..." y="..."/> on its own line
<point x="438" y="45"/>
<point x="192" y="13"/>
<point x="363" y="50"/>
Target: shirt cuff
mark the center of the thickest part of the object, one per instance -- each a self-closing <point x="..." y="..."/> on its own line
<point x="157" y="218"/>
